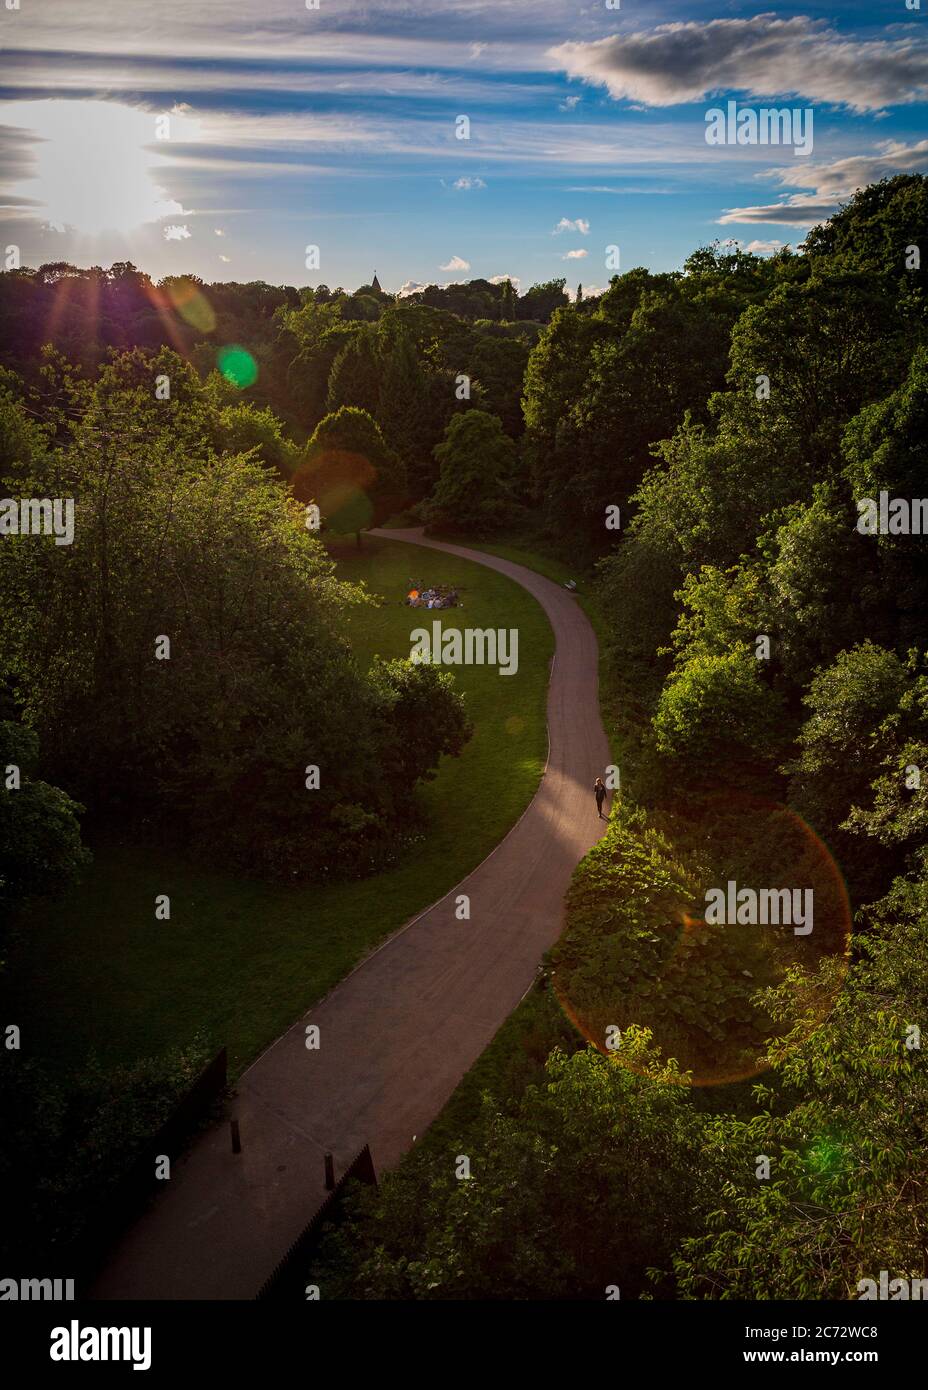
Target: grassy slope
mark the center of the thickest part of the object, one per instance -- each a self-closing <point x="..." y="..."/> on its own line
<point x="240" y="960"/>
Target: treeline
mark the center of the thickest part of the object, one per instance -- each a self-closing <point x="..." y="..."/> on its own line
<point x="182" y="661"/>
<point x="767" y="669"/>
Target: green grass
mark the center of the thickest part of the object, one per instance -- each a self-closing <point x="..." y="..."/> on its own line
<point x="240" y="960"/>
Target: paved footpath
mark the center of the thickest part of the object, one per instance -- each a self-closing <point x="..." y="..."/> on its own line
<point x="397" y="1034"/>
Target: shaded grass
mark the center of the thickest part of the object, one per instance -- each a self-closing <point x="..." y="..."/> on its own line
<point x="240" y="960"/>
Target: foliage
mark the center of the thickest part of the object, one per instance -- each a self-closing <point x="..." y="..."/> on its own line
<point x="69" y="1140"/>
<point x="477" y="462"/>
<point x="350" y="472"/>
<point x="563" y="1199"/>
<point x="40" y="838"/>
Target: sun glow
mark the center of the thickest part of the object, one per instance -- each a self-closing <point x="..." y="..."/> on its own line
<point x="95" y="166"/>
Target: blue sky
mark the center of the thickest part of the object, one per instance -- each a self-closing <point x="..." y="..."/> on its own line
<point x="336" y="127"/>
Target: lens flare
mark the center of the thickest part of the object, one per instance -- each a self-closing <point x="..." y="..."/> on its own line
<point x="189" y="301"/>
<point x="237" y="366"/>
<point x="340" y="481"/>
<point x="650" y="957"/>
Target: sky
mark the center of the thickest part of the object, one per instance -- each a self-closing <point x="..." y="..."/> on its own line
<point x="338" y="127"/>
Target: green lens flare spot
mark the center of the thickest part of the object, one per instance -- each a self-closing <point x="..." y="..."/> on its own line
<point x="238" y="366"/>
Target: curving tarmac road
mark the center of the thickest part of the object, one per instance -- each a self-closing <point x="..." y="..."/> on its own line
<point x="397" y="1034"/>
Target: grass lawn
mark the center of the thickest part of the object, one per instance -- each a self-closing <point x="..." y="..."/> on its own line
<point x="241" y="960"/>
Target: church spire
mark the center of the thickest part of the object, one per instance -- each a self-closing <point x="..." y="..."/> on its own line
<point x="375" y="284"/>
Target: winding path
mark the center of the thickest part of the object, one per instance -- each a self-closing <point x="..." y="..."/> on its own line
<point x="398" y="1033"/>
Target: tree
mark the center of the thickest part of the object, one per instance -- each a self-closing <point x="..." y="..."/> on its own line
<point x="422" y="718"/>
<point x="564" y="1198"/>
<point x="355" y="376"/>
<point x="848" y="1170"/>
<point x="350" y="473"/>
<point x="828" y="345"/>
<point x="401" y="410"/>
<point x="496" y="367"/>
<point x="602" y="388"/>
<point x="183" y="658"/>
<point x="836" y="760"/>
<point x="244" y="427"/>
<point x="40" y="838"/>
<point x="718" y="707"/>
<point x="541" y="301"/>
<point x="313" y="335"/>
<point x="477" y="460"/>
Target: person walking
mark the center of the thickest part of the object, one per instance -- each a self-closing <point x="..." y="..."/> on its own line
<point x="599" y="788"/>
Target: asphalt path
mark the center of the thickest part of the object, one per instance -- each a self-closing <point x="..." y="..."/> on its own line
<point x="399" y="1033"/>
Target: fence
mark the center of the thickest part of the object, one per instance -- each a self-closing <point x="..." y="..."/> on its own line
<point x="124" y="1203"/>
<point x="287" y="1280"/>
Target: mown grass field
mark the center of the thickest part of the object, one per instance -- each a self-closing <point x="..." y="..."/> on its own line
<point x="240" y="960"/>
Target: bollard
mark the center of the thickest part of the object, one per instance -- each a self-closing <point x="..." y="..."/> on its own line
<point x="329" y="1173"/>
<point x="236" y="1138"/>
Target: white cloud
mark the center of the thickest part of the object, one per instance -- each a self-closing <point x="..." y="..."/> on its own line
<point x="589" y="292"/>
<point x="799" y="210"/>
<point x="177" y="233"/>
<point x="764" y="248"/>
<point x="828" y="185"/>
<point x="225" y="259"/>
<point x="501" y="280"/>
<point x="219" y="231"/>
<point x="410" y="287"/>
<point x="844" y="176"/>
<point x="465" y="182"/>
<point x="763" y="56"/>
<point x="577" y="255"/>
<point x="456" y="263"/>
<point x="579" y="224"/>
<point x="569" y="103"/>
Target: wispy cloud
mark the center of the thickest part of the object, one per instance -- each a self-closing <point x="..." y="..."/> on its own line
<point x="763" y="56"/>
<point x="843" y="176"/>
<point x="456" y="263"/>
<point x="828" y="184"/>
<point x="567" y="224"/>
<point x="577" y="255"/>
<point x="799" y="210"/>
<point x="605" y="188"/>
